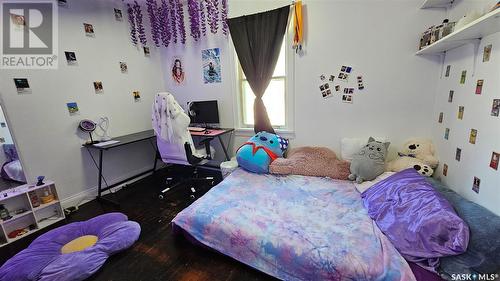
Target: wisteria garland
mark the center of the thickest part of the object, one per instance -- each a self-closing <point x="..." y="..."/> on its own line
<point x="152" y="9"/>
<point x="172" y="20"/>
<point x="140" y="27"/>
<point x="203" y="18"/>
<point x="131" y="20"/>
<point x="194" y="19"/>
<point x="165" y="23"/>
<point x="213" y="15"/>
<point x="225" y="27"/>
<point x="180" y="21"/>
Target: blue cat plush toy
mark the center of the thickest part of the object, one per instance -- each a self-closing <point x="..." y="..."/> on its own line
<point x="259" y="151"/>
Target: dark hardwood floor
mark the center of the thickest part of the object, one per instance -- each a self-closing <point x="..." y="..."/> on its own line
<point x="158" y="254"/>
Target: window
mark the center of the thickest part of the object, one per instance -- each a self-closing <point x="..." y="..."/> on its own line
<point x="274" y="98"/>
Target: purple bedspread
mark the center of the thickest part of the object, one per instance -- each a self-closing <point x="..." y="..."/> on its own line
<point x="293" y="228"/>
<point x="420" y="223"/>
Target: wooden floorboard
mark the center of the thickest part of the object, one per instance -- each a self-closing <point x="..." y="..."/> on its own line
<point x="158" y="254"/>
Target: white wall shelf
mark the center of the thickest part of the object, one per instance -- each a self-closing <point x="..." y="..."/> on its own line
<point x="37" y="217"/>
<point x="428" y="4"/>
<point x="483" y="26"/>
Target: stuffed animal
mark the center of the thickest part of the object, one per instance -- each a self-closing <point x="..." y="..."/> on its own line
<point x="405" y="162"/>
<point x="369" y="162"/>
<point x="422" y="149"/>
<point x="259" y="151"/>
<point x="417" y="153"/>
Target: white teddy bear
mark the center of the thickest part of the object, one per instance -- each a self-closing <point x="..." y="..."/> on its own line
<point x="417" y="153"/>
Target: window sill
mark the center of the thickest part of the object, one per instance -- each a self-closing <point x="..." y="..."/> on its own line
<point x="248" y="132"/>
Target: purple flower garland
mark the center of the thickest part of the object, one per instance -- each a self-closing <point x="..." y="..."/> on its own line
<point x="173" y="20"/>
<point x="180" y="21"/>
<point x="203" y="18"/>
<point x="194" y="19"/>
<point x="165" y="23"/>
<point x="152" y="9"/>
<point x="225" y="27"/>
<point x="131" y="20"/>
<point x="213" y="15"/>
<point x="140" y="27"/>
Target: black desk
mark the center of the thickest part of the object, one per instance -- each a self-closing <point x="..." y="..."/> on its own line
<point x="123" y="140"/>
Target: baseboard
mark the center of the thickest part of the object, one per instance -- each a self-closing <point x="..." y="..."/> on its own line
<point x="91" y="193"/>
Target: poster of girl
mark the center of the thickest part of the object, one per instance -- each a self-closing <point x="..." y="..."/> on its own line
<point x="178" y="74"/>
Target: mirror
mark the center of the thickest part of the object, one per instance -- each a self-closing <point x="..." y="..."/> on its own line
<point x="11" y="170"/>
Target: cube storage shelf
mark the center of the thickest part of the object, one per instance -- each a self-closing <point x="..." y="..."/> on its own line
<point x="33" y="218"/>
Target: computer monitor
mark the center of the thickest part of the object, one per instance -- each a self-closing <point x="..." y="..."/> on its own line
<point x="204" y="113"/>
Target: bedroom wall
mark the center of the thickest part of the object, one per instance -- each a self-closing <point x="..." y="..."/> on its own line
<point x="475" y="158"/>
<point x="338" y="33"/>
<point x="46" y="134"/>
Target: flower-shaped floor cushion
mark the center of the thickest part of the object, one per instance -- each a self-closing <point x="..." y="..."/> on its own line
<point x="73" y="251"/>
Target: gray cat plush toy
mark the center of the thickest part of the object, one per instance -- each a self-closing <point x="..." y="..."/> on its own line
<point x="369" y="162"/>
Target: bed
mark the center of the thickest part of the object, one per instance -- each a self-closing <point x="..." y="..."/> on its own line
<point x="293" y="228"/>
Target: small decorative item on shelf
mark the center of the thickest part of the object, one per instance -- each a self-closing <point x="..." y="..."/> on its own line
<point x="425" y="40"/>
<point x="4" y="213"/>
<point x="20" y="211"/>
<point x="47" y="197"/>
<point x="34" y="199"/>
<point x="103" y="124"/>
<point x="21" y="231"/>
<point x="447" y="28"/>
<point x="88" y="126"/>
<point x="40" y="180"/>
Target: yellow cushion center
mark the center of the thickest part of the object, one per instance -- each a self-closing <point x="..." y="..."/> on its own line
<point x="79" y="244"/>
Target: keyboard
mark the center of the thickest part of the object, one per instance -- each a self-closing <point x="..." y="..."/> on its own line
<point x="196" y="129"/>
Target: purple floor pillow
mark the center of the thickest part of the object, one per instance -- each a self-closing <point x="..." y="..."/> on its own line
<point x="417" y="219"/>
<point x="44" y="260"/>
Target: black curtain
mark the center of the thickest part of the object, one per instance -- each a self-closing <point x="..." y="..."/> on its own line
<point x="257" y="39"/>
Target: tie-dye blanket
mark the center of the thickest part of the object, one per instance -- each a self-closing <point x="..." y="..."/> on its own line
<point x="293" y="228"/>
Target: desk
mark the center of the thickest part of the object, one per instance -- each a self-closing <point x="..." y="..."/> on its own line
<point x="212" y="133"/>
<point x="122" y="140"/>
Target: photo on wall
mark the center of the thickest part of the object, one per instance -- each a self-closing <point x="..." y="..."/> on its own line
<point x="118" y="14"/>
<point x="450" y="96"/>
<point x="440" y="119"/>
<point x="147" y="51"/>
<point x="123" y="67"/>
<point x="495" y="158"/>
<point x="461" y="110"/>
<point x="210" y="59"/>
<point x="347" y="98"/>
<point x="447" y="73"/>
<point x="98" y="87"/>
<point x="479" y="86"/>
<point x="22" y="85"/>
<point x="178" y="74"/>
<point x="495" y="107"/>
<point x="446" y="133"/>
<point x="458" y="154"/>
<point x="463" y="76"/>
<point x="487" y="53"/>
<point x="473" y="136"/>
<point x="72" y="108"/>
<point x="475" y="184"/>
<point x="445" y="170"/>
<point x="89" y="29"/>
<point x="70" y="58"/>
<point x="137" y="96"/>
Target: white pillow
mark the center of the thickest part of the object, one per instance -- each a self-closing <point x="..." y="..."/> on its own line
<point x="361" y="187"/>
<point x="350" y="146"/>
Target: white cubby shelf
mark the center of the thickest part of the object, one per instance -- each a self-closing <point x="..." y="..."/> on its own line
<point x="33" y="218"/>
<point x="481" y="27"/>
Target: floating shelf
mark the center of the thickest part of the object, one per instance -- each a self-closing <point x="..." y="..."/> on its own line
<point x="436" y="4"/>
<point x="483" y="26"/>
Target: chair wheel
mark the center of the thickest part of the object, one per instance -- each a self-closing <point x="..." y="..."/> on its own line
<point x="192" y="196"/>
<point x="160" y="196"/>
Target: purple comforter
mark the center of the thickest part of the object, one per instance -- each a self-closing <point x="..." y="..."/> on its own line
<point x="420" y="223"/>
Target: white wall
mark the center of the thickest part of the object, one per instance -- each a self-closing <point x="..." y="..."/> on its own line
<point x="399" y="94"/>
<point x="475" y="158"/>
<point x="47" y="136"/>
